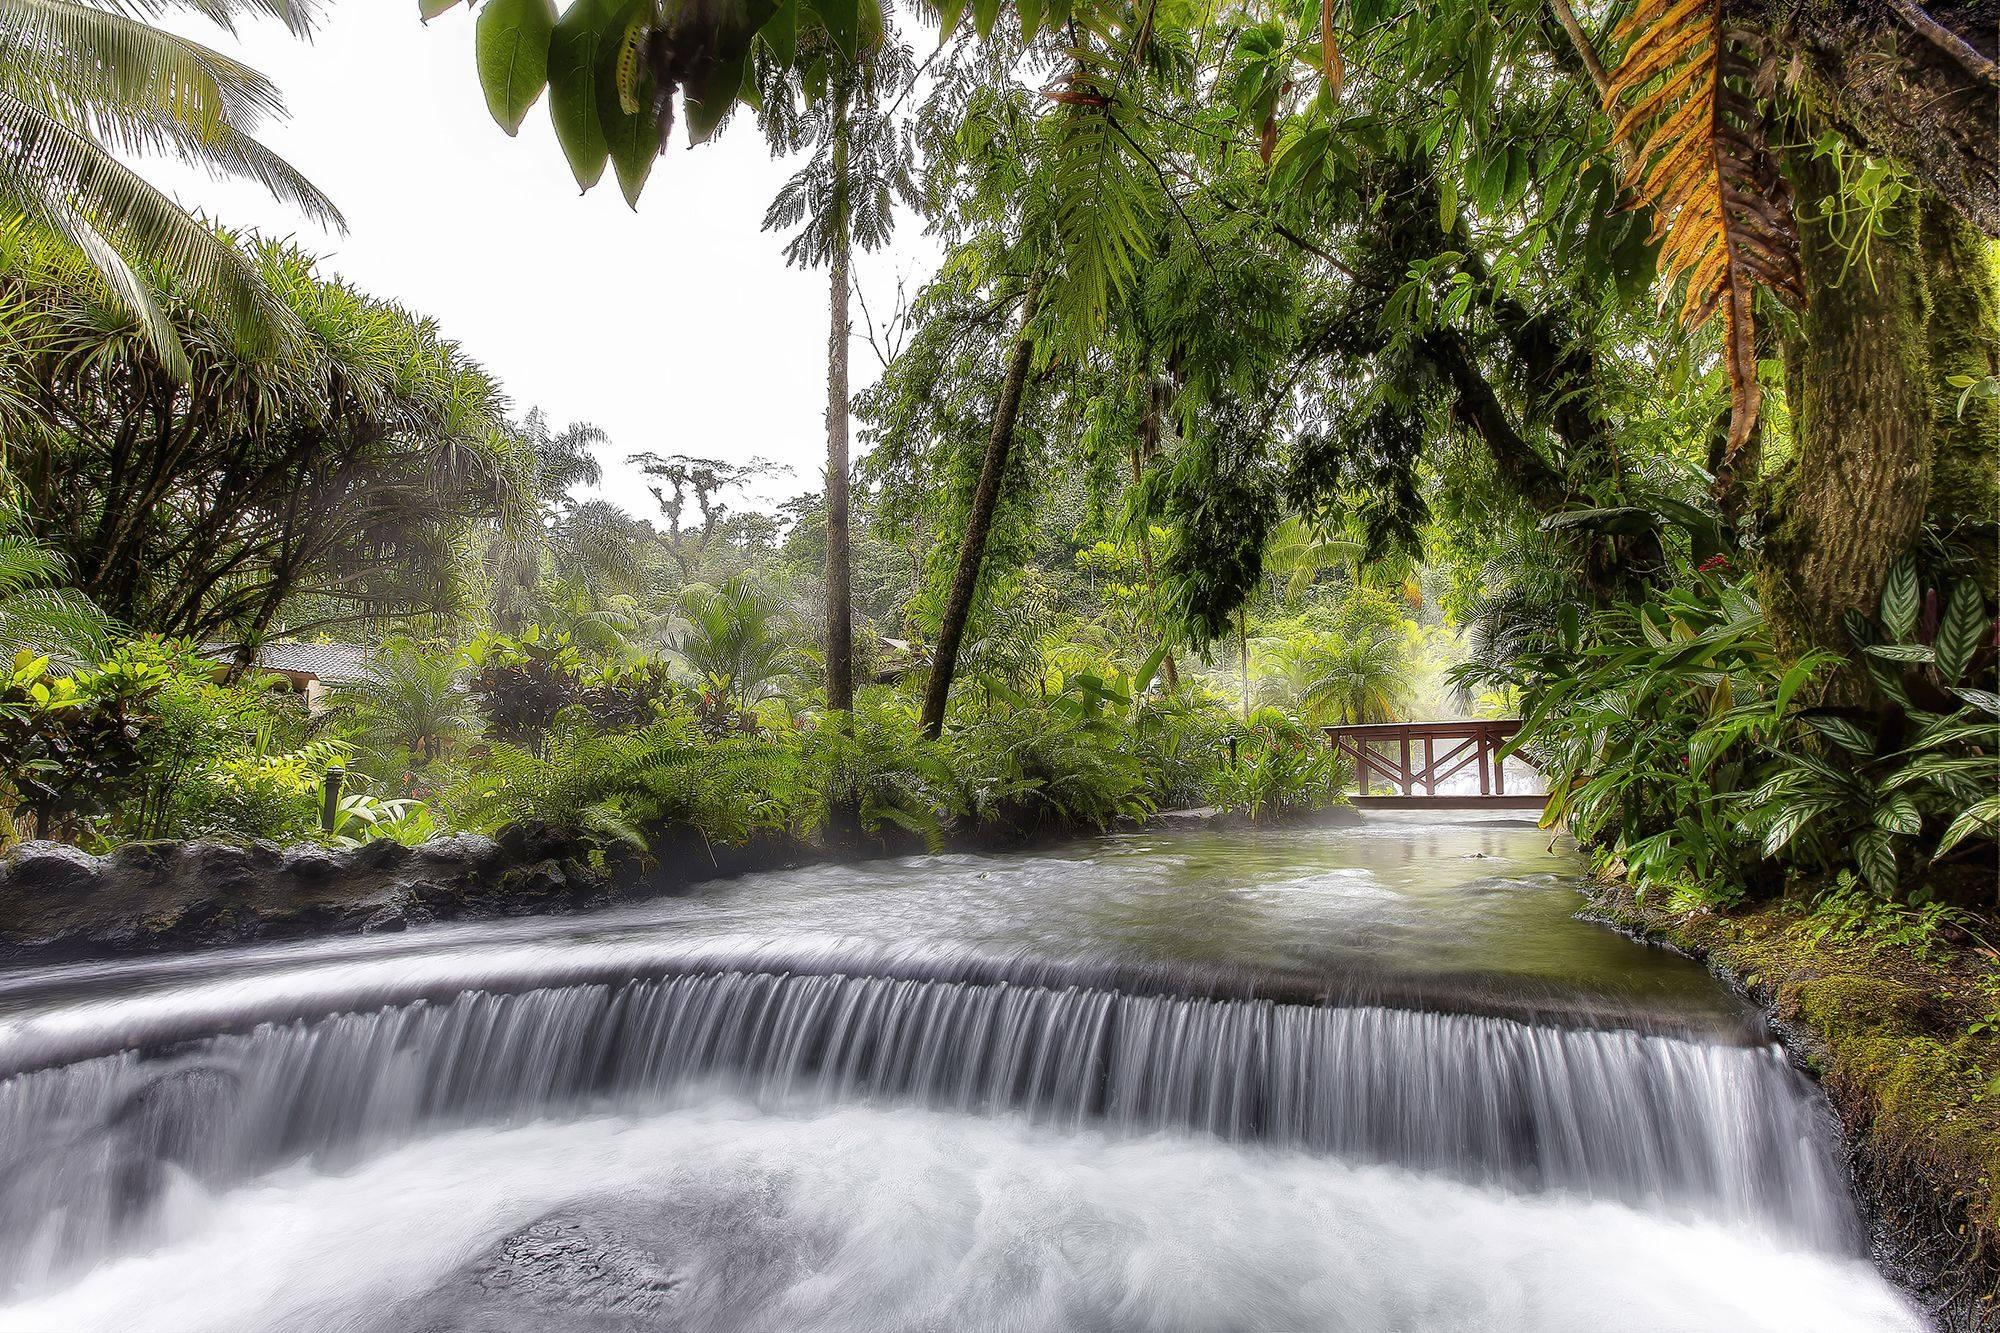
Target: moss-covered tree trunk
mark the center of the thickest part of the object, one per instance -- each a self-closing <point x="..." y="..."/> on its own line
<point x="1851" y="499"/>
<point x="1962" y="278"/>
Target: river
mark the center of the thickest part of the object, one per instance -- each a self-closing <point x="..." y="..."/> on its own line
<point x="1371" y="1078"/>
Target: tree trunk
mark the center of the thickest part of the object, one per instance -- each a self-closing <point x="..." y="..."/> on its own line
<point x="839" y="594"/>
<point x="1858" y="379"/>
<point x="985" y="497"/>
<point x="1909" y="81"/>
<point x="1960" y="277"/>
<point x="1243" y="653"/>
<point x="1149" y="443"/>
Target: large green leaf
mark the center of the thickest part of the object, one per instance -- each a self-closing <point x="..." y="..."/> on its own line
<point x="1875" y="856"/>
<point x="1901" y="599"/>
<point x="576" y="50"/>
<point x="781" y="34"/>
<point x="1899" y="814"/>
<point x="1841" y="732"/>
<point x="1900" y="652"/>
<point x="1788" y="823"/>
<point x="842" y="21"/>
<point x="711" y="91"/>
<point x="1983" y="817"/>
<point x="625" y="99"/>
<point x="1960" y="630"/>
<point x="709" y="103"/>
<point x="512" y="49"/>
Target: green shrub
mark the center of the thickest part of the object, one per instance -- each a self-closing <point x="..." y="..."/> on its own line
<point x="876" y="766"/>
<point x="1021" y="765"/>
<point x="1281" y="764"/>
<point x="1678" y="744"/>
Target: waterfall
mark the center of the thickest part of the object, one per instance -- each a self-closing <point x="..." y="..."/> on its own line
<point x="89" y="1146"/>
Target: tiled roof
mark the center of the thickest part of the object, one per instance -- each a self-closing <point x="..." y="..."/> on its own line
<point x="334" y="663"/>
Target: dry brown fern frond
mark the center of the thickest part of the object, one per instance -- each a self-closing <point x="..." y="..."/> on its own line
<point x="1723" y="211"/>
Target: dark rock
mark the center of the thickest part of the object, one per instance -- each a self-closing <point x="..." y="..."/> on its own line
<point x="435" y="897"/>
<point x="224" y="866"/>
<point x="379" y="855"/>
<point x="146" y="862"/>
<point x="466" y="851"/>
<point x="311" y="864"/>
<point x="387" y="920"/>
<point x="51" y="867"/>
<point x="532" y="840"/>
<point x="522" y="889"/>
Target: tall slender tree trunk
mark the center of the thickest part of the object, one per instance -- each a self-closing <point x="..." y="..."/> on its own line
<point x="1149" y="443"/>
<point x="979" y="524"/>
<point x="839" y="565"/>
<point x="1243" y="653"/>
<point x="1858" y="379"/>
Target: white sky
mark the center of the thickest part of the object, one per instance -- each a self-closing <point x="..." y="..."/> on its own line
<point x="678" y="328"/>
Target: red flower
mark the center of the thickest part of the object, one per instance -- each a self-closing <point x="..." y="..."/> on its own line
<point x="1714" y="564"/>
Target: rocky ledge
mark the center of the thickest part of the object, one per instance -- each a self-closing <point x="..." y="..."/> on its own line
<point x="58" y="902"/>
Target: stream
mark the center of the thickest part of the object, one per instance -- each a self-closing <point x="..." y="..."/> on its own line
<point x="1366" y="1078"/>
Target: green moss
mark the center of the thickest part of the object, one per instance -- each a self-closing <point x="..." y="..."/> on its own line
<point x="1845" y="1004"/>
<point x="1891" y="1032"/>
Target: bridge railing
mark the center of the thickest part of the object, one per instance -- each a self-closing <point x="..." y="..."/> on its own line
<point x="1415" y="758"/>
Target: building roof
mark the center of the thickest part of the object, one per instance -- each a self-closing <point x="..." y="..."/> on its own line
<point x="333" y="663"/>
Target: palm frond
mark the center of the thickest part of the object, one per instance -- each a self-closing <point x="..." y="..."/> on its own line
<point x="69" y="183"/>
<point x="1723" y="211"/>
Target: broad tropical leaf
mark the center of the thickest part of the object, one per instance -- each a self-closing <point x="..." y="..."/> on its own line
<point x="512" y="47"/>
<point x="82" y="86"/>
<point x="1981" y="818"/>
<point x="576" y="47"/>
<point x="1723" y="212"/>
<point x="1875" y="853"/>
<point x="1901" y="599"/>
<point x="1899" y="814"/>
<point x="1842" y="732"/>
<point x="1960" y="630"/>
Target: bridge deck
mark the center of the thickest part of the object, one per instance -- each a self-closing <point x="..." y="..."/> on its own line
<point x="1414" y="758"/>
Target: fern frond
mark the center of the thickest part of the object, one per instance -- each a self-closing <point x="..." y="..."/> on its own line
<point x="1723" y="212"/>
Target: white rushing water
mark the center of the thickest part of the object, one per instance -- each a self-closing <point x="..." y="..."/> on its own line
<point x="871" y="1221"/>
<point x="1372" y="1080"/>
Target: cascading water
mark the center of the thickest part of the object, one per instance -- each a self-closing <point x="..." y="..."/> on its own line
<point x="573" y="1126"/>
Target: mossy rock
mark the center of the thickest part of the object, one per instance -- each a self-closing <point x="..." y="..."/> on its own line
<point x="1838" y="1005"/>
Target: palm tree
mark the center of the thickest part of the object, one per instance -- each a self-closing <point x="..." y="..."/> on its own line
<point x="1301" y="551"/>
<point x="412" y="699"/>
<point x="726" y="636"/>
<point x="1357" y="680"/>
<point x="82" y="82"/>
<point x="844" y="196"/>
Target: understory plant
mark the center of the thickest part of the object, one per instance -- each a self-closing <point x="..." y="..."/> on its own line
<point x="1280" y="764"/>
<point x="1686" y="752"/>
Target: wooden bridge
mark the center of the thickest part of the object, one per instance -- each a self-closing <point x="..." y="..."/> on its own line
<point x="1414" y="758"/>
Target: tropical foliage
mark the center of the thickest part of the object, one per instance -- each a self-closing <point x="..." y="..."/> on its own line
<point x="1277" y="361"/>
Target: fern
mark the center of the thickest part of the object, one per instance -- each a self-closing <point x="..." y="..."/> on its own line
<point x="1723" y="211"/>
